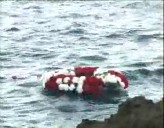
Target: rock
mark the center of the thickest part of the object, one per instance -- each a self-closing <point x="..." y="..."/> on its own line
<point x="91" y="124"/>
<point x="133" y="113"/>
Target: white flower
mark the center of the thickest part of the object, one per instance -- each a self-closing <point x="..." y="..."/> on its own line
<point x="81" y="79"/>
<point x="110" y="78"/>
<point x="66" y="79"/>
<point x="122" y="84"/>
<point x="100" y="77"/>
<point x="43" y="84"/>
<point x="59" y="80"/>
<point x="61" y="87"/>
<point x="79" y="88"/>
<point x="71" y="87"/>
<point x="72" y="73"/>
<point x="45" y="77"/>
<point x="99" y="71"/>
<point x="64" y="87"/>
<point x="75" y="80"/>
<point x="118" y="79"/>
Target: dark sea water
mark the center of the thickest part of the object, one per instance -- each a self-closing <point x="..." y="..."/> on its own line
<point x="41" y="36"/>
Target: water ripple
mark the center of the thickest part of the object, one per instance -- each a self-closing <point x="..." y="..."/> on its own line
<point x="93" y="58"/>
<point x="42" y="36"/>
<point x="13" y="29"/>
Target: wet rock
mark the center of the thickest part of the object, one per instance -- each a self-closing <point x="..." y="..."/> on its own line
<point x="137" y="112"/>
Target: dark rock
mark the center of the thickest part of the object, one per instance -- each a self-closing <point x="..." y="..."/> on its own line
<point x="91" y="124"/>
<point x="134" y="113"/>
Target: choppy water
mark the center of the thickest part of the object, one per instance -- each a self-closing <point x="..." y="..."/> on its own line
<point x="41" y="36"/>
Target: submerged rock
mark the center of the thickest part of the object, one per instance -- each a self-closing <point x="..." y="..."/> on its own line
<point x="137" y="112"/>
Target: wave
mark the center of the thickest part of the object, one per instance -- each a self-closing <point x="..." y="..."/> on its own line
<point x="32" y="7"/>
<point x="13" y="29"/>
<point x="93" y="58"/>
<point x="144" y="37"/>
<point x="73" y="32"/>
<point x="114" y="35"/>
<point x="139" y="64"/>
<point x="143" y="72"/>
<point x="134" y="5"/>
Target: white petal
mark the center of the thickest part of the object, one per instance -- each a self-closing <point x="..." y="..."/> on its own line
<point x="99" y="77"/>
<point x="44" y="84"/>
<point x="59" y="80"/>
<point x="60" y="86"/>
<point x="75" y="79"/>
<point x="64" y="87"/>
<point x="71" y="87"/>
<point x="99" y="71"/>
<point x="66" y="79"/>
<point x="122" y="84"/>
<point x="110" y="78"/>
<point x="118" y="79"/>
<point x="44" y="80"/>
<point x="113" y="79"/>
<point x="72" y="73"/>
<point x="79" y="89"/>
<point x="81" y="79"/>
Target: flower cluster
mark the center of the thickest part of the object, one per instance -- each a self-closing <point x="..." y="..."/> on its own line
<point x="87" y="80"/>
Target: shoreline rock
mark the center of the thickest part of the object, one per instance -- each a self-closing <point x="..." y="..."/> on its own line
<point x="137" y="112"/>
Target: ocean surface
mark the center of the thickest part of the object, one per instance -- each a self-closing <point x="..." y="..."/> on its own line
<point x="39" y="36"/>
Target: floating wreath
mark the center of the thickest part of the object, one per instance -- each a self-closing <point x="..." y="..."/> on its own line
<point x="87" y="80"/>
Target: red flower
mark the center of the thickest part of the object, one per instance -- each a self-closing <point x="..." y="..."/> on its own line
<point x="93" y="85"/>
<point x="51" y="84"/>
<point x="85" y="71"/>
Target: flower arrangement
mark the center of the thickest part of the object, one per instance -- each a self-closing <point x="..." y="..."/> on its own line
<point x="86" y="80"/>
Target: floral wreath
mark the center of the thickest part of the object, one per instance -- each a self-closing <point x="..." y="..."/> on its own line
<point x="86" y="80"/>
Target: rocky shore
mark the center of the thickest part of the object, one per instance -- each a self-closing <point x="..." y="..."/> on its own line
<point x="137" y="112"/>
